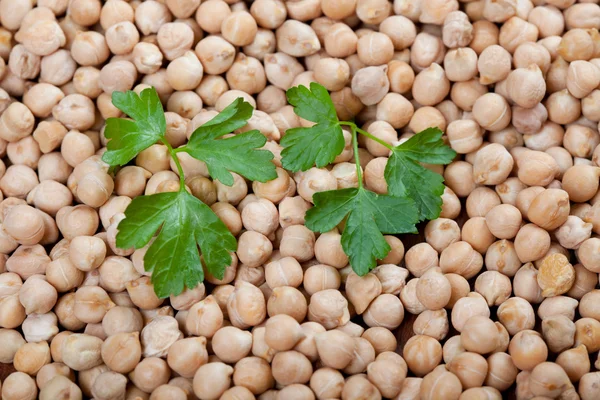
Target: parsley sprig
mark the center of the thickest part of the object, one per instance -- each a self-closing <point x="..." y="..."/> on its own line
<point x="182" y="221"/>
<point x="414" y="192"/>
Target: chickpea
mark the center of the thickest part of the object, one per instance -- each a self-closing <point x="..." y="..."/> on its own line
<point x="492" y="112"/>
<point x="433" y="278"/>
<point x="420" y="258"/>
<point x="321" y="277"/>
<point x="422" y="354"/>
<point x="371" y="84"/>
<point x="19" y="385"/>
<point x="431" y="85"/>
<point x="231" y="344"/>
<point x="587" y="254"/>
<point x="16" y="122"/>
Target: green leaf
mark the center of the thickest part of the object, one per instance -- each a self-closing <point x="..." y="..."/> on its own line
<point x="406" y="177"/>
<point x="185" y="223"/>
<point x="239" y="154"/>
<point x="369" y="217"/>
<point x="233" y="117"/>
<point x="129" y="137"/>
<point x="321" y="143"/>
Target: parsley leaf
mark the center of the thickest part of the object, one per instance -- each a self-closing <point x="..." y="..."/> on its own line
<point x="239" y="153"/>
<point x="407" y="178"/>
<point x="321" y="143"/>
<point x="129" y="137"/>
<point x="185" y="223"/>
<point x="233" y="117"/>
<point x="369" y="217"/>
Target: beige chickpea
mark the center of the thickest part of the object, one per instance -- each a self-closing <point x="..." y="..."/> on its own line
<point x="75" y="111"/>
<point x="479" y="335"/>
<point x="461" y="258"/>
<point x="91" y="304"/>
<point x="422" y="354"/>
<point x="587" y="333"/>
<point x="457" y="31"/>
<point x="401" y="76"/>
<point x="89" y="48"/>
<point x="563" y="108"/>
<point x="426" y="49"/>
<point x="583" y="282"/>
<point x="529" y="121"/>
<point x="470" y="368"/>
<point x="476" y="232"/>
<point x="460" y="64"/>
<point x="335" y="348"/>
<point x="457" y="174"/>
<point x="247" y="74"/>
<point x="141" y="292"/>
<point x="381" y="339"/>
<point x="493" y="64"/>
<point x="327" y="382"/>
<point x="16" y="122"/>
<point x="589" y="106"/>
<point x="329" y="308"/>
<point x="420" y="258"/>
<point x="396" y="253"/>
<point x="465" y="136"/>
<point x="431" y="85"/>
<point x="527" y="350"/>
<point x="392" y="278"/>
<point x="576" y="44"/>
<point x="81" y="351"/>
<point x="582" y="78"/>
<point x="575" y="362"/>
<point x="40" y="327"/>
<point x="433" y="278"/>
<point x="525" y="284"/>
<point x="375" y="49"/>
<point x="263" y="44"/>
<point x="254" y="248"/>
<point x="19" y="385"/>
<point x="321" y="277"/>
<point x="580" y="140"/>
<point x="559" y="332"/>
<point x="536" y="168"/>
<point x="212" y="379"/>
<point x="254" y="374"/>
<point x="246" y="306"/>
<point x="150" y="17"/>
<point x="41" y="97"/>
<point x="297" y="39"/>
<point x="504" y="221"/>
<point x="464" y="94"/>
<point x="76" y="147"/>
<point x="14" y="340"/>
<point x="480" y="201"/>
<point x="494" y="287"/>
<point x="307" y="345"/>
<point x="150" y="373"/>
<point x="371" y="84"/>
<point x="231" y="344"/>
<point x="467" y="307"/>
<point x="586" y="254"/>
<point x="492" y="112"/>
<point x="426" y="117"/>
<point x="526" y="86"/>
<point x="229" y="215"/>
<point x="121" y="352"/>
<point x="117" y="76"/>
<point x="158" y="335"/>
<point x="432" y="323"/>
<point x="204" y="318"/>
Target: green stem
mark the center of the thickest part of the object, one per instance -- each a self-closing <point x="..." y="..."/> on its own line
<point x="173" y="154"/>
<point x="381" y="142"/>
<point x="356" y="156"/>
<point x="365" y="133"/>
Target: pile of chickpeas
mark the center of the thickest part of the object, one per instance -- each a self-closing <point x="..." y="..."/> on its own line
<point x="505" y="300"/>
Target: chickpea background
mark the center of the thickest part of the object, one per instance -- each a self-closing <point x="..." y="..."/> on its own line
<point x="499" y="292"/>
